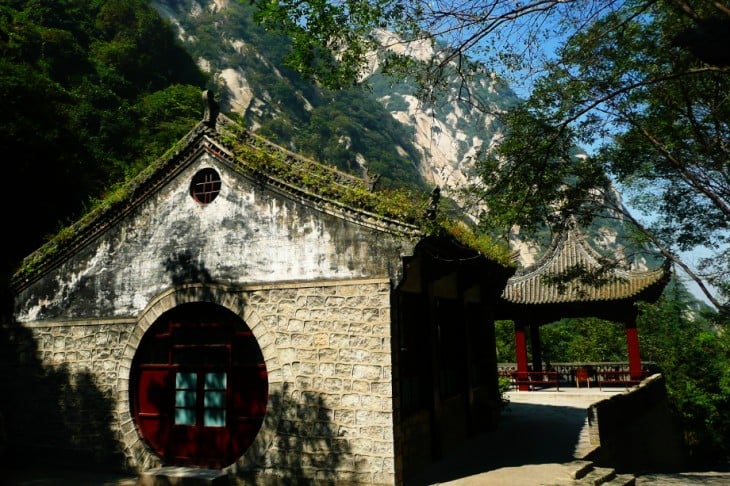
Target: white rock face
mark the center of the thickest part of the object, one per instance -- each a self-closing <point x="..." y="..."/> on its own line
<point x="421" y="50"/>
<point x="446" y="151"/>
<point x="239" y="91"/>
<point x="447" y="138"/>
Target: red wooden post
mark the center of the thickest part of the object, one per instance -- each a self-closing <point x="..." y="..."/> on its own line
<point x="536" y="347"/>
<point x="632" y="344"/>
<point x="521" y="354"/>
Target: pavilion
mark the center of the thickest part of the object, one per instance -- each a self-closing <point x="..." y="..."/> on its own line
<point x="542" y="293"/>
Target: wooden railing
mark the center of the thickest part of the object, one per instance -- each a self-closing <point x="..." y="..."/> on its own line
<point x="592" y="374"/>
<point x="532" y="380"/>
<point x="623" y="378"/>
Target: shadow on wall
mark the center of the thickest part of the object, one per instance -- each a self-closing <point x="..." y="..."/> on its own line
<point x="183" y="269"/>
<point x="307" y="442"/>
<point x="637" y="431"/>
<point x="56" y="416"/>
<point x="307" y="446"/>
<point x="51" y="417"/>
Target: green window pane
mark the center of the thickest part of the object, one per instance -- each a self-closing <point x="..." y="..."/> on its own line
<point x="215" y="381"/>
<point x="185" y="398"/>
<point x="215" y="399"/>
<point x="186" y="380"/>
<point x="214" y="418"/>
<point x="184" y="416"/>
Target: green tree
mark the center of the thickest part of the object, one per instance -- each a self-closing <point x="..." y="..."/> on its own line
<point x="569" y="340"/>
<point x="90" y="91"/>
<point x="641" y="83"/>
<point x="695" y="360"/>
<point x="582" y="340"/>
<point x="659" y="120"/>
<point x="505" y="337"/>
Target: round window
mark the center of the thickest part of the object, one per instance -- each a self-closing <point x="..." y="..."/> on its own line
<point x="199" y="386"/>
<point x="205" y="186"/>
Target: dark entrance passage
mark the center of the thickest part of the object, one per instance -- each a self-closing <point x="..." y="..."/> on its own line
<point x="199" y="386"/>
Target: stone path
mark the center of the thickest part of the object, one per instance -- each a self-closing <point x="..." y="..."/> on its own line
<point x="540" y="439"/>
<point x="539" y="434"/>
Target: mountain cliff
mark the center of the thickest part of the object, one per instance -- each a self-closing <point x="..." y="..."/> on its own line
<point x="379" y="129"/>
<point x="436" y="143"/>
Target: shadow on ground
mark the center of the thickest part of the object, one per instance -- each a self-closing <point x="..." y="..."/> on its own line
<point x="527" y="434"/>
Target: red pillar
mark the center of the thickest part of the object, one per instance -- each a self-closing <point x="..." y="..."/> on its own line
<point x="632" y="344"/>
<point x="521" y="353"/>
<point x="536" y="347"/>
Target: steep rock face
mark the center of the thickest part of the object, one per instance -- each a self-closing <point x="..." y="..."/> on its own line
<point x="440" y="142"/>
<point x="237" y="94"/>
<point x="351" y="130"/>
<point x="446" y="137"/>
<point x="451" y="132"/>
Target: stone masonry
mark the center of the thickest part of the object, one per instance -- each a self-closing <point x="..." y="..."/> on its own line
<point x="319" y="284"/>
<point x="327" y="352"/>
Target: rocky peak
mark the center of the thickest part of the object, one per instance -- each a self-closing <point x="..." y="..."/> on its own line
<point x="442" y="139"/>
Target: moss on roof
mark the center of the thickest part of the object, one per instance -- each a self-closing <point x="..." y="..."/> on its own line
<point x="255" y="156"/>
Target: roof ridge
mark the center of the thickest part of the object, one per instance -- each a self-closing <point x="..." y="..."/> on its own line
<point x="562" y="274"/>
<point x="234" y="129"/>
<point x="134" y="191"/>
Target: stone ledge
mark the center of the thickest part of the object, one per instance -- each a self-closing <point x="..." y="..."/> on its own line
<point x="182" y="476"/>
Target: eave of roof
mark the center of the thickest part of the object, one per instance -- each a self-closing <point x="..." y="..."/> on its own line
<point x="570" y="253"/>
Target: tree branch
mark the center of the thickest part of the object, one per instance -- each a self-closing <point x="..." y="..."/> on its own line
<point x="723" y="309"/>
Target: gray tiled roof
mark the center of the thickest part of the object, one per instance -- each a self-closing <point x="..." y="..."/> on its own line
<point x="568" y="254"/>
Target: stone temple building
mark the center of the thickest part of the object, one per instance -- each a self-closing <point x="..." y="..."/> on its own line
<point x="230" y="311"/>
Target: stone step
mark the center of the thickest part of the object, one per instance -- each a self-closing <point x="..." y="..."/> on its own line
<point x="597" y="476"/>
<point x="579" y="468"/>
<point x="182" y="476"/>
<point x="584" y="473"/>
<point x="584" y="449"/>
<point x="622" y="480"/>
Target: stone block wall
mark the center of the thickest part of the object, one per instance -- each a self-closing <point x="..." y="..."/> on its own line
<point x="327" y="348"/>
<point x="636" y="431"/>
<point x="58" y="382"/>
<point x="335" y="403"/>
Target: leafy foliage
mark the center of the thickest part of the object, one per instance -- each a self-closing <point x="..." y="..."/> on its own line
<point x="330" y="40"/>
<point x="584" y="340"/>
<point x="569" y="340"/>
<point x="657" y="119"/>
<point x="89" y="93"/>
<point x="694" y="355"/>
<point x="505" y="338"/>
<point x="323" y="180"/>
<point x="485" y="244"/>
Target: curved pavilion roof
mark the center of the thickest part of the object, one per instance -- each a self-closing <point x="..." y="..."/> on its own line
<point x="599" y="287"/>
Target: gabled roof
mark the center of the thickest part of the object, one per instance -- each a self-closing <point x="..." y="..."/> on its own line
<point x="302" y="179"/>
<point x="596" y="278"/>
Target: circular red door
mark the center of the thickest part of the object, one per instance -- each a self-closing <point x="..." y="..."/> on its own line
<point x="199" y="386"/>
